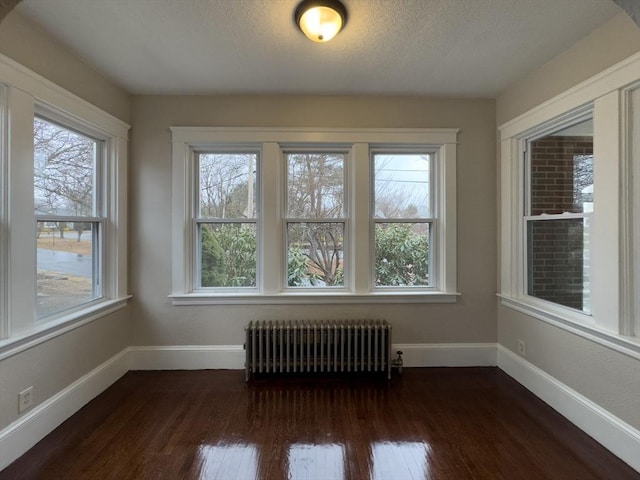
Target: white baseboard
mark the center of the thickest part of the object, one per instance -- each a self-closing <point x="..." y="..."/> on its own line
<point x="614" y="434"/>
<point x="447" y="354"/>
<point x="187" y="357"/>
<point x="33" y="426"/>
<point x="196" y="357"/>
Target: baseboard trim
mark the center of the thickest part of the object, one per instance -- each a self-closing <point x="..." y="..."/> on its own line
<point x="197" y="357"/>
<point x="187" y="357"/>
<point x="617" y="436"/>
<point x="447" y="354"/>
<point x="33" y="426"/>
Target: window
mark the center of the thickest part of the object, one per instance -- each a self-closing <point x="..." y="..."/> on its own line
<point x="567" y="244"/>
<point x="226" y="221"/>
<point x="316" y="219"/>
<point x="558" y="215"/>
<point x="69" y="221"/>
<point x="313" y="216"/>
<point x="403" y="219"/>
<point x="63" y="190"/>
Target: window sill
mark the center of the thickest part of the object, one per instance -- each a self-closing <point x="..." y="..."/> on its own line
<point x="627" y="345"/>
<point x="312" y="298"/>
<point x="54" y="328"/>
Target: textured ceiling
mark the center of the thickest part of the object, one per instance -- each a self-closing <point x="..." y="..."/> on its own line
<point x="426" y="47"/>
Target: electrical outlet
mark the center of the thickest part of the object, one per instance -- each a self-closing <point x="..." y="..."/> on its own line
<point x="522" y="348"/>
<point x="25" y="399"/>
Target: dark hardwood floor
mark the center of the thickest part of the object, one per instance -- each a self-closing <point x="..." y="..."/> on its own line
<point x="436" y="423"/>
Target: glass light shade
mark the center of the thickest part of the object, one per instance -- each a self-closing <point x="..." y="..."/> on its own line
<point x="321" y="23"/>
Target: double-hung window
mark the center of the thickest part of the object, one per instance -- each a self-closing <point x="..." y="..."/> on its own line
<point x="63" y="215"/>
<point x="558" y="214"/>
<point x="316" y="220"/>
<point x="69" y="212"/>
<point x="568" y="230"/>
<point x="226" y="220"/>
<point x="313" y="216"/>
<point x="403" y="219"/>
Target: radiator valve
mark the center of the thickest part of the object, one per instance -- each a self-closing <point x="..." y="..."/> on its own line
<point x="397" y="362"/>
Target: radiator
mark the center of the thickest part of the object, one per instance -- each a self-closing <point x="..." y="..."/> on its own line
<point x="332" y="346"/>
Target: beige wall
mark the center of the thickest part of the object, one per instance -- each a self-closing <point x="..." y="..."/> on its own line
<point x="157" y="322"/>
<point x="609" y="378"/>
<point x="54" y="365"/>
<point x="614" y="41"/>
<point x="28" y="44"/>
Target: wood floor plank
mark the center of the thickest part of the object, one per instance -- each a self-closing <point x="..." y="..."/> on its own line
<point x="436" y="423"/>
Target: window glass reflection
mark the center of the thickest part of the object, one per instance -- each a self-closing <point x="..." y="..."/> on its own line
<point x="234" y="460"/>
<point x="316" y="462"/>
<point x="399" y="460"/>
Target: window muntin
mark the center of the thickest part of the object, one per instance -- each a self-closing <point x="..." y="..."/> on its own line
<point x="316" y="219"/>
<point x="403" y="219"/>
<point x="69" y="221"/>
<point x="557" y="220"/>
<point x="226" y="222"/>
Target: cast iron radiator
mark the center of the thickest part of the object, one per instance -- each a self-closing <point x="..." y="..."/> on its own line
<point x="328" y="346"/>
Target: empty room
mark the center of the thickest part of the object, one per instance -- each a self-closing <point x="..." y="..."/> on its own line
<point x="320" y="239"/>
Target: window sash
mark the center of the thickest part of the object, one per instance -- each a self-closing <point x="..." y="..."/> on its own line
<point x="198" y="261"/>
<point x="97" y="276"/>
<point x="97" y="218"/>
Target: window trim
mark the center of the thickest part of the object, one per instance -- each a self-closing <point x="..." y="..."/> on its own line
<point x="272" y="142"/>
<point x="603" y="91"/>
<point x="28" y="93"/>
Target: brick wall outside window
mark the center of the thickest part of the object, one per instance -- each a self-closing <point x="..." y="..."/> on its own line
<point x="560" y="172"/>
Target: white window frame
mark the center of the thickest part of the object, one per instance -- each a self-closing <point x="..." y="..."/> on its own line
<point x="344" y="219"/>
<point x="4" y="218"/>
<point x="630" y="238"/>
<point x="604" y="94"/>
<point x="434" y="228"/>
<point x="97" y="218"/>
<point x="28" y="93"/>
<point x="272" y="142"/>
<point x="195" y="281"/>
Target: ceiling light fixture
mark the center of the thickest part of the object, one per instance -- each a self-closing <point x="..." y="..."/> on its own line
<point x="320" y="20"/>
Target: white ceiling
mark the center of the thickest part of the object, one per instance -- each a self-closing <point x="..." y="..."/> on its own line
<point x="472" y="48"/>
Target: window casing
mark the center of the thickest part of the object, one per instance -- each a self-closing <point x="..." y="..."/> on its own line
<point x="609" y="282"/>
<point x="314" y="221"/>
<point x="29" y="98"/>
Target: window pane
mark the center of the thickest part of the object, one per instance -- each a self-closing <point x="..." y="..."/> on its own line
<point x="402" y="254"/>
<point x="402" y="185"/>
<point x="559" y="261"/>
<point x="67" y="274"/>
<point x="315" y="254"/>
<point x="315" y="183"/>
<point x="64" y="168"/>
<point x="227" y="254"/>
<point x="228" y="185"/>
<point x="562" y="171"/>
